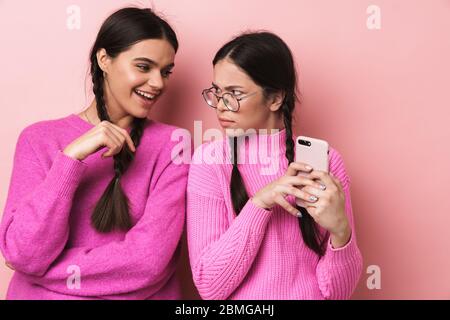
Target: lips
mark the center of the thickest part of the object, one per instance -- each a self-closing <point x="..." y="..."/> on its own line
<point x="145" y="94"/>
<point x="225" y="120"/>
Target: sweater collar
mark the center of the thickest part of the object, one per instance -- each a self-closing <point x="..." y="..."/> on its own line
<point x="79" y="123"/>
<point x="257" y="144"/>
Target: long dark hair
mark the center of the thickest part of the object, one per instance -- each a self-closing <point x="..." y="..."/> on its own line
<point x="268" y="61"/>
<point x="118" y="33"/>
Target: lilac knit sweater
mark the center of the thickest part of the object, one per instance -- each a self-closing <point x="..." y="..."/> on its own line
<point x="46" y="234"/>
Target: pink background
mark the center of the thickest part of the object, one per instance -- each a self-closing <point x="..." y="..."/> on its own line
<point x="381" y="97"/>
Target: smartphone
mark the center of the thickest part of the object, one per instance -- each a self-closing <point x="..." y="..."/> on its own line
<point x="313" y="152"/>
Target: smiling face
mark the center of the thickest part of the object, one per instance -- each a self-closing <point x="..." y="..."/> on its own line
<point x="256" y="111"/>
<point x="137" y="77"/>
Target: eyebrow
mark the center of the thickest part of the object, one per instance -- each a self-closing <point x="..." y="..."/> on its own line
<point x="227" y="88"/>
<point x="149" y="61"/>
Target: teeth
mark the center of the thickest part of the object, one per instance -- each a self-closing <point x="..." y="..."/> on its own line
<point x="145" y="94"/>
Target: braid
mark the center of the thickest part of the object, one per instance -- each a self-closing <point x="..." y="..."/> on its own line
<point x="287" y="118"/>
<point x="112" y="210"/>
<point x="310" y="231"/>
<point x="239" y="195"/>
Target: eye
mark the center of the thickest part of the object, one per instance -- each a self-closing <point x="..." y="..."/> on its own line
<point x="215" y="90"/>
<point x="236" y="93"/>
<point x="166" y="74"/>
<point x="143" y="67"/>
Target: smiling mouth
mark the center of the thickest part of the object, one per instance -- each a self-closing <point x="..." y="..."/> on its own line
<point x="145" y="95"/>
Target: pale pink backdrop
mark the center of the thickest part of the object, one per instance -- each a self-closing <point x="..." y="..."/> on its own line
<point x="381" y="97"/>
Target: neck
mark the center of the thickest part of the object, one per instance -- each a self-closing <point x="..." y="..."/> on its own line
<point x="120" y="119"/>
<point x="275" y="122"/>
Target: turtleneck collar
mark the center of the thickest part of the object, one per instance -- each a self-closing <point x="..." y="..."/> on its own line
<point x="257" y="145"/>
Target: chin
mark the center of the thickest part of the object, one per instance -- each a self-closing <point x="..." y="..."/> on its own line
<point x="234" y="132"/>
<point x="141" y="114"/>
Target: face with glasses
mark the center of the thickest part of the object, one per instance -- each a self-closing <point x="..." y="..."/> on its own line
<point x="239" y="102"/>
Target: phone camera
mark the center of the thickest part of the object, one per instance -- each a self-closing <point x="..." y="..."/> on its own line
<point x="304" y="142"/>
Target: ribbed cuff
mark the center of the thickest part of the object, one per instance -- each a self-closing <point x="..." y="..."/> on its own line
<point x="254" y="217"/>
<point x="65" y="175"/>
<point x="343" y="255"/>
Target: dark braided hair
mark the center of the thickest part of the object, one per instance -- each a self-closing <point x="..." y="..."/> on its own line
<point x="268" y="61"/>
<point x="309" y="228"/>
<point x="237" y="188"/>
<point x="118" y="33"/>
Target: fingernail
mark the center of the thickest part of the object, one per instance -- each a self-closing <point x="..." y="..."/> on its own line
<point x="323" y="187"/>
<point x="313" y="198"/>
<point x="308" y="168"/>
<point x="299" y="214"/>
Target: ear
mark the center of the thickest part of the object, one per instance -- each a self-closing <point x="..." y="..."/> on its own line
<point x="103" y="60"/>
<point x="276" y="101"/>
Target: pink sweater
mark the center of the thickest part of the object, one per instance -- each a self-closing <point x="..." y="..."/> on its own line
<point x="259" y="254"/>
<point x="46" y="233"/>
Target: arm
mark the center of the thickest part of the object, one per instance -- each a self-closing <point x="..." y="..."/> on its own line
<point x="338" y="271"/>
<point x="221" y="253"/>
<point x="140" y="261"/>
<point x="35" y="226"/>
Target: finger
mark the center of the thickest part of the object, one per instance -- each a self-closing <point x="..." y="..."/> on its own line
<point x="118" y="131"/>
<point x="313" y="191"/>
<point x="112" y="143"/>
<point x="119" y="136"/>
<point x="295" y="167"/>
<point x="113" y="149"/>
<point x="280" y="200"/>
<point x="297" y="193"/>
<point x="323" y="176"/>
<point x="105" y="132"/>
<point x="124" y="133"/>
<point x="304" y="204"/>
<point x="303" y="181"/>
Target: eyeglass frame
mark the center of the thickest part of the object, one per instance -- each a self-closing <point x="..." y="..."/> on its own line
<point x="238" y="99"/>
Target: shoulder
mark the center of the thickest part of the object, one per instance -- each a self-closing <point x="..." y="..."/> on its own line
<point x="337" y="166"/>
<point x="165" y="143"/>
<point x="209" y="153"/>
<point x="43" y="132"/>
<point x="203" y="171"/>
<point x="157" y="134"/>
<point x="44" y="127"/>
<point x="40" y="140"/>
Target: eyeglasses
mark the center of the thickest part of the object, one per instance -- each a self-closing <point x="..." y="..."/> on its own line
<point x="229" y="100"/>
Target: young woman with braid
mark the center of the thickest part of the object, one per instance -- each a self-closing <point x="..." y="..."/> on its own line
<point x="246" y="237"/>
<point x="96" y="205"/>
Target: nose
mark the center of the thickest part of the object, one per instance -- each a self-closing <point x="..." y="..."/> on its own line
<point x="221" y="105"/>
<point x="156" y="81"/>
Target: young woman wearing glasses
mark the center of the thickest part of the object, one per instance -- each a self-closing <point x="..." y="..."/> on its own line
<point x="96" y="205"/>
<point x="245" y="234"/>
